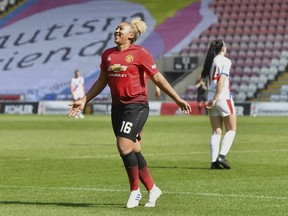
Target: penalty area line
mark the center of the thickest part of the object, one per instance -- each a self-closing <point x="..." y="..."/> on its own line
<point x="164" y="192"/>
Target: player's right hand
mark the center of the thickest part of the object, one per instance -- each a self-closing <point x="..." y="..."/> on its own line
<point x="211" y="104"/>
<point x="76" y="107"/>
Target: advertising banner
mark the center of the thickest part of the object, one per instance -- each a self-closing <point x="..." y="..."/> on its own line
<point x="101" y="108"/>
<point x="155" y="108"/>
<point x="23" y="108"/>
<point x="171" y="108"/>
<point x="269" y="109"/>
<point x="43" y="42"/>
<point x="54" y="107"/>
<point x="105" y="108"/>
<point x="243" y="108"/>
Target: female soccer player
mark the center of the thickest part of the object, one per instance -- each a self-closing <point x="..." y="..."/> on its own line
<point x="201" y="94"/>
<point x="220" y="105"/>
<point x="77" y="89"/>
<point x="123" y="68"/>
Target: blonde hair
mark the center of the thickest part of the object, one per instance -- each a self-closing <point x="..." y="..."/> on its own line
<point x="138" y="27"/>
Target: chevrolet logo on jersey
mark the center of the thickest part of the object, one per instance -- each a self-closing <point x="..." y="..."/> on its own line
<point x="117" y="68"/>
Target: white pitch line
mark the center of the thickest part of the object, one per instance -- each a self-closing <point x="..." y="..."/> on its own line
<point x="230" y="195"/>
<point x="164" y="192"/>
<point x="146" y="154"/>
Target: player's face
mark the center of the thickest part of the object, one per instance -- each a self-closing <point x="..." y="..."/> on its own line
<point x="122" y="34"/>
<point x="224" y="48"/>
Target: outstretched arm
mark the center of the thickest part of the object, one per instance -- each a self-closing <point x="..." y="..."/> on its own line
<point x="164" y="85"/>
<point x="98" y="86"/>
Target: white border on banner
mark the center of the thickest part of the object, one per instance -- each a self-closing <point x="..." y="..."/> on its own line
<point x="102" y="108"/>
<point x="105" y="108"/>
<point x="53" y="107"/>
<point x="155" y="108"/>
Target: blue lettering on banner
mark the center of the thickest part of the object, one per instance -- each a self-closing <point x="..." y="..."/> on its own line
<point x="40" y="52"/>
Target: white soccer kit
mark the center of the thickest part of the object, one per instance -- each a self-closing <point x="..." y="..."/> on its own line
<point x="224" y="105"/>
<point x="77" y="87"/>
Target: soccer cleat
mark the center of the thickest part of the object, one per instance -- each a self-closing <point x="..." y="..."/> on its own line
<point x="215" y="165"/>
<point x="221" y="160"/>
<point x="154" y="194"/>
<point x="135" y="197"/>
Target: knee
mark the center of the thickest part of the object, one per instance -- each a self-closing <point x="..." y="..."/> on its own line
<point x="124" y="146"/>
<point x="218" y="131"/>
<point x="123" y="150"/>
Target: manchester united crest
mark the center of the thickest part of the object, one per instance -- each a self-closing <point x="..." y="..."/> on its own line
<point x="129" y="58"/>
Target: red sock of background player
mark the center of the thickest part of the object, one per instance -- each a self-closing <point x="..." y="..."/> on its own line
<point x="144" y="173"/>
<point x="131" y="166"/>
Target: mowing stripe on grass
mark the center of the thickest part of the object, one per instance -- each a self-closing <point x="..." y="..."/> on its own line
<point x="147" y="154"/>
<point x="164" y="192"/>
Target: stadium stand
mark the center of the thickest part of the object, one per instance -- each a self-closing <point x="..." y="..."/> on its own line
<point x="5" y="5"/>
<point x="256" y="34"/>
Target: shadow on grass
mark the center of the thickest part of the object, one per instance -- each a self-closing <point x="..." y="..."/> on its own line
<point x="177" y="167"/>
<point x="77" y="205"/>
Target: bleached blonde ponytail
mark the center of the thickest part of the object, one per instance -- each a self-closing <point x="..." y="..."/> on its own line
<point x="138" y="27"/>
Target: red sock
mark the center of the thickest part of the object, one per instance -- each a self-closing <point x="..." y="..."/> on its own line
<point x="146" y="178"/>
<point x="144" y="173"/>
<point x="133" y="175"/>
<point x="131" y="166"/>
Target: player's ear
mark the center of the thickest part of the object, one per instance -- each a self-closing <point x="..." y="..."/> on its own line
<point x="131" y="35"/>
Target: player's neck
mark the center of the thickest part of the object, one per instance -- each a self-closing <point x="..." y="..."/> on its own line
<point x="124" y="47"/>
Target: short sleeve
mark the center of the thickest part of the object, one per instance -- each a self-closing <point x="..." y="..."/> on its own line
<point x="226" y="67"/>
<point x="147" y="62"/>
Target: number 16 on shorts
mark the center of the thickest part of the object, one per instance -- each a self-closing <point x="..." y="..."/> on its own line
<point x="126" y="127"/>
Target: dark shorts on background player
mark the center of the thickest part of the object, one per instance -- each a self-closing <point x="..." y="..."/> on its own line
<point x="202" y="97"/>
<point x="128" y="120"/>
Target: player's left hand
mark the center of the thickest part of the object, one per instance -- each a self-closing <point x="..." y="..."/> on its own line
<point x="185" y="106"/>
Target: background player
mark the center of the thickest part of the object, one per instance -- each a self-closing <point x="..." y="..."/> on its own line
<point x="77" y="89"/>
<point x="221" y="107"/>
<point x="201" y="95"/>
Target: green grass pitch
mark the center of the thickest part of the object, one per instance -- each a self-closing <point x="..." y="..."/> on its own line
<point x="51" y="165"/>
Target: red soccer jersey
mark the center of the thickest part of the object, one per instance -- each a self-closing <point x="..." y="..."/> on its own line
<point x="126" y="73"/>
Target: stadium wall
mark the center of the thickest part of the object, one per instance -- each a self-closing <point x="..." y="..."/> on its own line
<point x="156" y="108"/>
